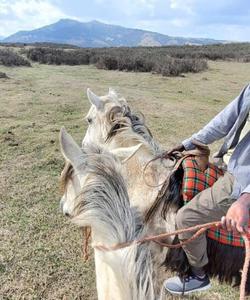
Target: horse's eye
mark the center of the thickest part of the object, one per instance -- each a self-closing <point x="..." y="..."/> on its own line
<point x="89" y="120"/>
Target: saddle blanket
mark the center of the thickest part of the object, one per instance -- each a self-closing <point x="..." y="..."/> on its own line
<point x="195" y="181"/>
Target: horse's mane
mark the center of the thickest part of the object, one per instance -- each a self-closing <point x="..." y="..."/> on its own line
<point x="106" y="193"/>
<point x="121" y="118"/>
<point x="104" y="204"/>
<point x="170" y="195"/>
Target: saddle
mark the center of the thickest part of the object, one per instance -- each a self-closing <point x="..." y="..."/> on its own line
<point x="192" y="174"/>
<point x="199" y="174"/>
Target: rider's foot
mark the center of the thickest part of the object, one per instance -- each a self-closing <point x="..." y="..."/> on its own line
<point x="186" y="285"/>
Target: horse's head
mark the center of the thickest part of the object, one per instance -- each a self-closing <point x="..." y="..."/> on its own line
<point x="101" y="116"/>
<point x="85" y="171"/>
<point x="112" y="124"/>
<point x="73" y="175"/>
<point x="95" y="195"/>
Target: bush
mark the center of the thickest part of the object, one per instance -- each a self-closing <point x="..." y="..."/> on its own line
<point x="54" y="56"/>
<point x="175" y="66"/>
<point x="3" y="75"/>
<point x="168" y="60"/>
<point x="11" y="58"/>
<point x="122" y="59"/>
<point x="107" y="63"/>
<point x="246" y="58"/>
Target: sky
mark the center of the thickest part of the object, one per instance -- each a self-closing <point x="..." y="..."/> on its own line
<point x="218" y="19"/>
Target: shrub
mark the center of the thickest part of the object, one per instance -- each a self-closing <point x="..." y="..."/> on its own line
<point x="3" y="75"/>
<point x="246" y="58"/>
<point x="11" y="58"/>
<point x="168" y="60"/>
<point x="169" y="66"/>
<point x="122" y="59"/>
<point x="54" y="56"/>
<point x="107" y="63"/>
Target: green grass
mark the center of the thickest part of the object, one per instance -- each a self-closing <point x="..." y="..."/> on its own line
<point x="40" y="251"/>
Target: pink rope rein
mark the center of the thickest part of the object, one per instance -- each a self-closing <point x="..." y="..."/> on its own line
<point x="200" y="229"/>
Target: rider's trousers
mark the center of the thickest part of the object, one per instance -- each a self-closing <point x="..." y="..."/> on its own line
<point x="208" y="206"/>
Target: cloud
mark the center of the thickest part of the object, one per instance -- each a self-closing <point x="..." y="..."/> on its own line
<point x="186" y="6"/>
<point x="229" y="32"/>
<point x="26" y="15"/>
<point x="221" y="19"/>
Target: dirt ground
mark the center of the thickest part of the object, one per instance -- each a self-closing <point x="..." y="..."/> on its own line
<point x="40" y="251"/>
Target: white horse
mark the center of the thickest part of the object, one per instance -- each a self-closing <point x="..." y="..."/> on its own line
<point x="112" y="125"/>
<point x="95" y="195"/>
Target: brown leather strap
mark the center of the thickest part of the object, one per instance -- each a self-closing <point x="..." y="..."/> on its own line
<point x="201" y="154"/>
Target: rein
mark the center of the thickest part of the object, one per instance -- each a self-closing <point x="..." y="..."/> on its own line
<point x="200" y="229"/>
<point x="177" y="157"/>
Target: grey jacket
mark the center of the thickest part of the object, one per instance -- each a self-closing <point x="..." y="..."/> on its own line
<point x="228" y="124"/>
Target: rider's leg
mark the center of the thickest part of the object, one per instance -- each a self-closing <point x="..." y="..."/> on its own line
<point x="208" y="206"/>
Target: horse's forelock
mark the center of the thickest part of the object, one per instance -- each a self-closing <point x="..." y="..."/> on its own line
<point x="112" y="97"/>
<point x="121" y="118"/>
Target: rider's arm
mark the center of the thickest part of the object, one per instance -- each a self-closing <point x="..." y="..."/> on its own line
<point x="221" y="124"/>
<point x="247" y="189"/>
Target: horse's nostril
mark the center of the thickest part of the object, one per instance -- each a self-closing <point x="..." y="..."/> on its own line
<point x="68" y="215"/>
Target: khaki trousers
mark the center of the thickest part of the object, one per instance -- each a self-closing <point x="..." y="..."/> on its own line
<point x="208" y="206"/>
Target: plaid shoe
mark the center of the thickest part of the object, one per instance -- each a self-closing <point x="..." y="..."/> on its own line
<point x="186" y="285"/>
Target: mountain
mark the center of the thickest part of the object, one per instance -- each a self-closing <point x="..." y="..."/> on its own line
<point x="97" y="34"/>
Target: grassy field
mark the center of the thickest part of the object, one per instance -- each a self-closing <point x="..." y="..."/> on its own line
<point x="40" y="251"/>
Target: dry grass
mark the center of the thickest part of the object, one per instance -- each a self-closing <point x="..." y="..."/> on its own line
<point x="40" y="252"/>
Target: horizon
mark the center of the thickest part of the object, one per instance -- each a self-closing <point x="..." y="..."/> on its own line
<point x="91" y="21"/>
<point x="223" y="20"/>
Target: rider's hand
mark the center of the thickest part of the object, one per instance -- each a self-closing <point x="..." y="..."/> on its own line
<point x="237" y="217"/>
<point x="179" y="148"/>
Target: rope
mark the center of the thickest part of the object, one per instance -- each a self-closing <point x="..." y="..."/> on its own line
<point x="152" y="209"/>
<point x="86" y="231"/>
<point x="161" y="157"/>
<point x="177" y="158"/>
<point x="199" y="229"/>
<point x="245" y="268"/>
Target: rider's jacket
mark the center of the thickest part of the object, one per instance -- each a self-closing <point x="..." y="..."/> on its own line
<point x="232" y="124"/>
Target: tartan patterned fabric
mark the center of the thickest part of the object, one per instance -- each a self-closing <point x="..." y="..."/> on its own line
<point x="195" y="181"/>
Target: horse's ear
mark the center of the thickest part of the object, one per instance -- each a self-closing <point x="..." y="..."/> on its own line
<point x="126" y="153"/>
<point x="112" y="92"/>
<point x="95" y="100"/>
<point x="70" y="150"/>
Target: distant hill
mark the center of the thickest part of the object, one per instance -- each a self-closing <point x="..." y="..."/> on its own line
<point x="97" y="34"/>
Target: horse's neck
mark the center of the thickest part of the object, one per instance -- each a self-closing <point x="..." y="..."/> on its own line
<point x="108" y="282"/>
<point x="117" y="276"/>
<point x="143" y="187"/>
<point x="144" y="179"/>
